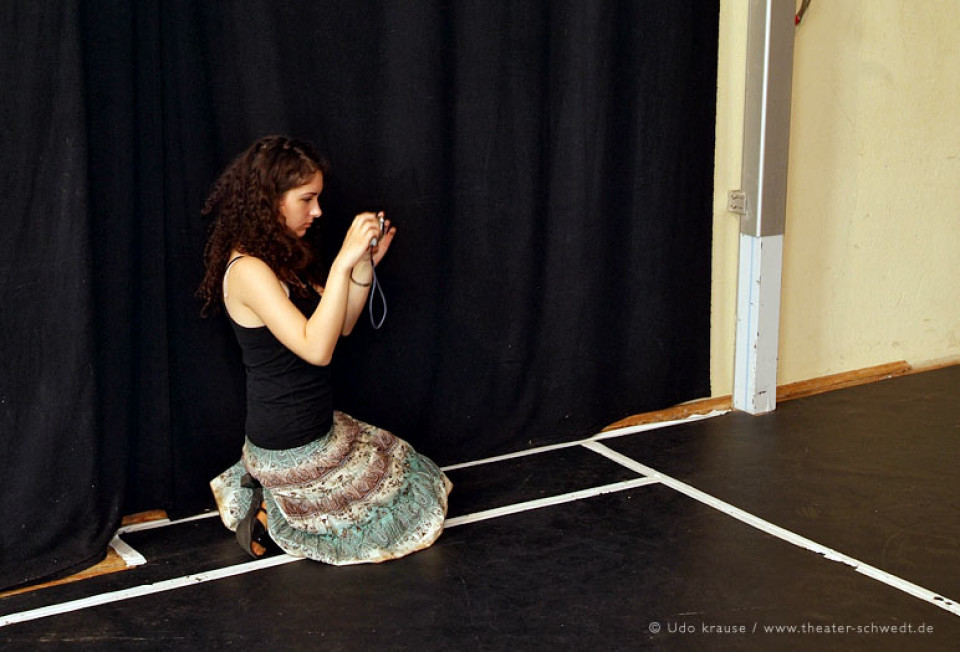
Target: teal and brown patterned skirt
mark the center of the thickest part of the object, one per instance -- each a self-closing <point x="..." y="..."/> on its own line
<point x="356" y="495"/>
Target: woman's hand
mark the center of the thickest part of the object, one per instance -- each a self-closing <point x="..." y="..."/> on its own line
<point x="356" y="243"/>
<point x="361" y="273"/>
<point x="383" y="243"/>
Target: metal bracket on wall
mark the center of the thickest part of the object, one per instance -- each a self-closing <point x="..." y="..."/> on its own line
<point x="736" y="201"/>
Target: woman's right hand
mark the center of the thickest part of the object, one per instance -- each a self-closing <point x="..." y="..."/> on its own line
<point x="356" y="244"/>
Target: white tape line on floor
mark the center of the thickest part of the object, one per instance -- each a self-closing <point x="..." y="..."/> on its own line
<point x="777" y="531"/>
<point x="239" y="569"/>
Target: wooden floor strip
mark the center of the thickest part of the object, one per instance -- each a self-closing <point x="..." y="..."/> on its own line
<point x="112" y="563"/>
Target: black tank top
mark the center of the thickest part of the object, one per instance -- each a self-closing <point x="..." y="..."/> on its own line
<point x="289" y="400"/>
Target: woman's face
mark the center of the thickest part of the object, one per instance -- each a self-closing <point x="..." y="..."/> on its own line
<point x="300" y="206"/>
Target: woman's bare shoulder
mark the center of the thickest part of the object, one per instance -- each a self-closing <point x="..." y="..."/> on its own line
<point x="250" y="268"/>
<point x="249" y="274"/>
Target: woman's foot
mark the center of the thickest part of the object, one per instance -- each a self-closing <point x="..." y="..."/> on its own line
<point x="257" y="549"/>
<point x="253" y="535"/>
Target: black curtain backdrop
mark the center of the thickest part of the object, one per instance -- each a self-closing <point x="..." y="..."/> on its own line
<point x="548" y="164"/>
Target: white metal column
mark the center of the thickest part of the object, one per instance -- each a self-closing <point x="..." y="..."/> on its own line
<point x="766" y="141"/>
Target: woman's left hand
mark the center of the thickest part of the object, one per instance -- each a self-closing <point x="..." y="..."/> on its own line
<point x="383" y="243"/>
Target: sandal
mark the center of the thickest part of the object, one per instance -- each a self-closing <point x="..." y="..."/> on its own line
<point x="251" y="530"/>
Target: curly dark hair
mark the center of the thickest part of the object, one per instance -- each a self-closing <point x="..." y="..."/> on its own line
<point x="245" y="203"/>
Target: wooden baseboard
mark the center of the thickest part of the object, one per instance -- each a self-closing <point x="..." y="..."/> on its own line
<point x="843" y="379"/>
<point x="144" y="517"/>
<point x="682" y="411"/>
<point x="112" y="563"/>
<point x="784" y="392"/>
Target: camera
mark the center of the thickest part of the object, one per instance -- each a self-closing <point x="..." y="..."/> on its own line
<point x="374" y="240"/>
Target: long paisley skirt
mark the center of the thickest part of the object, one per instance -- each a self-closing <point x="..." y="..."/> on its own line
<point x="355" y="495"/>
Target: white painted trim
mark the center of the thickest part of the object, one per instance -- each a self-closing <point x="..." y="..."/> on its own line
<point x="758" y="323"/>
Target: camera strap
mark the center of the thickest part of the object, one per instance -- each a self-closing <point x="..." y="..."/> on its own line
<point x="376" y="288"/>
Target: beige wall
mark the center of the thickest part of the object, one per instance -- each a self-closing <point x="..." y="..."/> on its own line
<point x="871" y="270"/>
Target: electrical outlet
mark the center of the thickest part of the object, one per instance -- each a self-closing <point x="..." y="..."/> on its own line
<point x="737" y="202"/>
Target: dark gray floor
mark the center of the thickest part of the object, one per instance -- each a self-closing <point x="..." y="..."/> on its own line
<point x="870" y="472"/>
